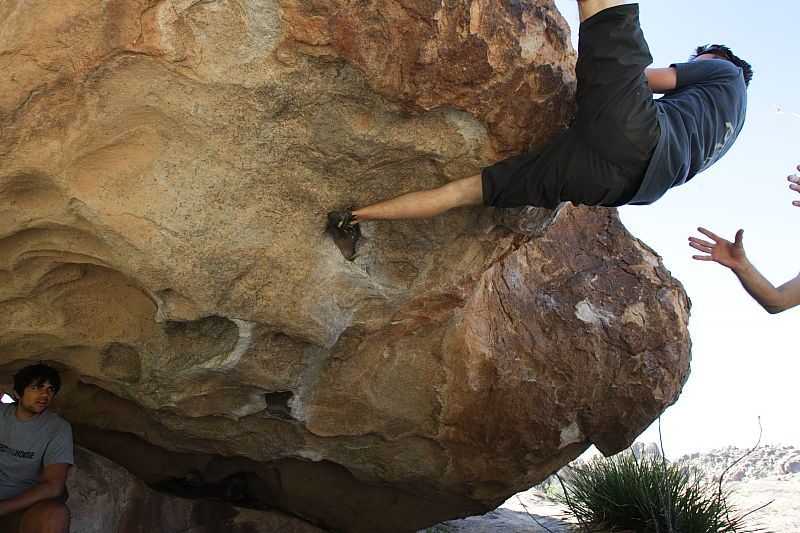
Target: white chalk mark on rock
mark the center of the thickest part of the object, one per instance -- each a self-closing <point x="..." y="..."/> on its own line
<point x="224" y="363"/>
<point x="570" y="435"/>
<point x="590" y="314"/>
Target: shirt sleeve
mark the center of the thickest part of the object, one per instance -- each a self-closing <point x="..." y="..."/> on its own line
<point x="59" y="449"/>
<point x="710" y="70"/>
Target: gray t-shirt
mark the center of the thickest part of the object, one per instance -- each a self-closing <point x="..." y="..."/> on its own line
<point x="27" y="447"/>
<point x="699" y="122"/>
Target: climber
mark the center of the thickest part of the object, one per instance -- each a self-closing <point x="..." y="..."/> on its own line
<point x="35" y="455"/>
<point x="623" y="147"/>
<point x="731" y="254"/>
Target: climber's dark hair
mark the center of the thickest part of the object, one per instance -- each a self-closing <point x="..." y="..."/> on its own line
<point x="724" y="52"/>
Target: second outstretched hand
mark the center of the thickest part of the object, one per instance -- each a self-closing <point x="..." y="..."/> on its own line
<point x="723" y="251"/>
<point x="731" y="254"/>
<point x="795" y="186"/>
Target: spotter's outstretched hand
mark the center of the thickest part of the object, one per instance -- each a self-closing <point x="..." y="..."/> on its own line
<point x="723" y="251"/>
<point x="795" y="186"/>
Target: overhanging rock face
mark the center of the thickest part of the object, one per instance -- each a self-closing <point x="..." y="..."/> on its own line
<point x="166" y="168"/>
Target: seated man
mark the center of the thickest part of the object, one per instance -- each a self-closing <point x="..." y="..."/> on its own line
<point x="623" y="146"/>
<point x="731" y="254"/>
<point x="35" y="455"/>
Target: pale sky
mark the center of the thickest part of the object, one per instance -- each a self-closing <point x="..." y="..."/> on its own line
<point x="744" y="361"/>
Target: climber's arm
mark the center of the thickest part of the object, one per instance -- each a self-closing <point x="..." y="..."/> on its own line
<point x="662" y="80"/>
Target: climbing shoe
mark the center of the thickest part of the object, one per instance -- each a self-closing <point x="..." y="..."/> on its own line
<point x="345" y="233"/>
<point x="341" y="223"/>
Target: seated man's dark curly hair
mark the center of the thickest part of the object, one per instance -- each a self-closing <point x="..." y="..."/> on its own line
<point x="724" y="52"/>
<point x="36" y="375"/>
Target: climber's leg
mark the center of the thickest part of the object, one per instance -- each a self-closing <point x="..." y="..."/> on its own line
<point x="588" y="8"/>
<point x="424" y="204"/>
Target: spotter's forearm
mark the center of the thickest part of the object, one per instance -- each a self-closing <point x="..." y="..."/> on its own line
<point x="772" y="299"/>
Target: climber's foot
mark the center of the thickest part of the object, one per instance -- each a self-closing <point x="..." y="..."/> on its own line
<point x="345" y="232"/>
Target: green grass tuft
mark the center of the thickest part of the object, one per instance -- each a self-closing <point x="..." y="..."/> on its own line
<point x="644" y="495"/>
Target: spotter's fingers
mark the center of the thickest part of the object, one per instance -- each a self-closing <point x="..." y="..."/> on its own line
<point x="700" y="241"/>
<point x="710" y="234"/>
<point x="700" y="247"/>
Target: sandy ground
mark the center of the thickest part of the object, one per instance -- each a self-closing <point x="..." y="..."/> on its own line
<point x="523" y="512"/>
<point x="782" y="515"/>
<point x="528" y="512"/>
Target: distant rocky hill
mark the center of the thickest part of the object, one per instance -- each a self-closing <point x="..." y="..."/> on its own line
<point x="780" y="462"/>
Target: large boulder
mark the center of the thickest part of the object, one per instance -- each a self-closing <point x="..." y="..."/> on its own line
<point x="166" y="168"/>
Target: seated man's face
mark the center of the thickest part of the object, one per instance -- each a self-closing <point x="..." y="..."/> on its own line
<point x="37" y="397"/>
